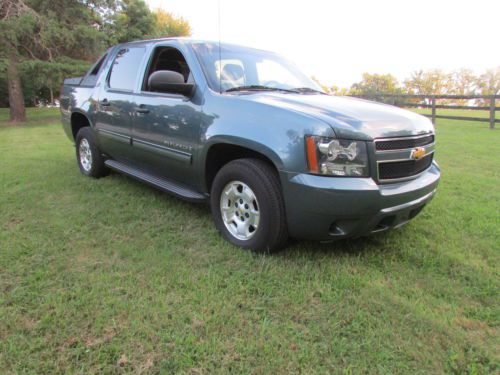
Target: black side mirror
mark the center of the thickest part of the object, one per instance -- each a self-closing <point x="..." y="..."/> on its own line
<point x="169" y="81"/>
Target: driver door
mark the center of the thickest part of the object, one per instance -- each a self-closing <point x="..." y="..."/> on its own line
<point x="166" y="126"/>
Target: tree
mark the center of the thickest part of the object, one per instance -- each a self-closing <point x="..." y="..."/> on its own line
<point x="463" y="82"/>
<point x="430" y="82"/>
<point x="45" y="32"/>
<point x="167" y="25"/>
<point x="133" y="21"/>
<point x="489" y="82"/>
<point x="16" y="21"/>
<point x="373" y="85"/>
<point x="46" y="41"/>
<point x="46" y="78"/>
<point x="339" y="91"/>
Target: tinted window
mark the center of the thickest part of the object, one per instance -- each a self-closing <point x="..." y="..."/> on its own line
<point x="97" y="66"/>
<point x="125" y="68"/>
<point x="91" y="78"/>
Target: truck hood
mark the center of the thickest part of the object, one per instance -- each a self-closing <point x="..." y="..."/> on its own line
<point x="350" y="118"/>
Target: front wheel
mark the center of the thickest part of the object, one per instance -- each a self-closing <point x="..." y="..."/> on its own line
<point x="247" y="205"/>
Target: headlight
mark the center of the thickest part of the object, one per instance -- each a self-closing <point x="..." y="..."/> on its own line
<point x="336" y="157"/>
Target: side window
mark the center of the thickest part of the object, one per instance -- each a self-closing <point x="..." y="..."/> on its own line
<point x="125" y="68"/>
<point x="167" y="58"/>
<point x="91" y="78"/>
<point x="97" y="66"/>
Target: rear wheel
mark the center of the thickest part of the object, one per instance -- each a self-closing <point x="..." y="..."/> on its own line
<point x="247" y="205"/>
<point x="88" y="155"/>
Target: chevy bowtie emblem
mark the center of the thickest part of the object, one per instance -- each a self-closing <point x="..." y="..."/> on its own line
<point x="417" y="153"/>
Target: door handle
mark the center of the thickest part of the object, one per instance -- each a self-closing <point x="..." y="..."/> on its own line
<point x="142" y="109"/>
<point x="104" y="103"/>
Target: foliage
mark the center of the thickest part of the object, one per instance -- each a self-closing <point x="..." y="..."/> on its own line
<point x="133" y="21"/>
<point x="339" y="91"/>
<point x="431" y="82"/>
<point x="169" y="25"/>
<point x="110" y="276"/>
<point x="373" y="84"/>
<point x="489" y="82"/>
<point x="60" y="38"/>
<point x="463" y="82"/>
<point x="45" y="78"/>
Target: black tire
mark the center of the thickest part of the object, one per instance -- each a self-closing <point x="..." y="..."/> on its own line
<point x="97" y="168"/>
<point x="271" y="233"/>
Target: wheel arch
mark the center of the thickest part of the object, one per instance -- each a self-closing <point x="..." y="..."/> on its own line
<point x="222" y="151"/>
<point x="78" y="120"/>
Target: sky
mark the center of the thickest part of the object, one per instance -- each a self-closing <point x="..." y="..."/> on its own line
<point x="336" y="41"/>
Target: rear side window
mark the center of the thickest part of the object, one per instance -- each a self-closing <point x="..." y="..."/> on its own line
<point x="125" y="68"/>
<point x="91" y="78"/>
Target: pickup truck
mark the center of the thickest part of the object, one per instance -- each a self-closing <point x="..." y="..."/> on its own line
<point x="247" y="132"/>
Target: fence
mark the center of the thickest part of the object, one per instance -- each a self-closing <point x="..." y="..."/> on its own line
<point x="429" y="101"/>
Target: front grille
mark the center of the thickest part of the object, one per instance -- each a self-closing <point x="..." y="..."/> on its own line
<point x="400" y="144"/>
<point x="402" y="169"/>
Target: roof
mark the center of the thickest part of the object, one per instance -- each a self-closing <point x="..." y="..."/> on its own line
<point x="189" y="40"/>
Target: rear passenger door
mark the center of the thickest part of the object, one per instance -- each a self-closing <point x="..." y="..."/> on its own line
<point x="116" y="105"/>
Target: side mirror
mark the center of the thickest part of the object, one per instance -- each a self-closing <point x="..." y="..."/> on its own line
<point x="169" y="81"/>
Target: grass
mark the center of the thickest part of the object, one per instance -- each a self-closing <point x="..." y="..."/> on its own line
<point x="111" y="276"/>
<point x="460" y="112"/>
<point x="34" y="116"/>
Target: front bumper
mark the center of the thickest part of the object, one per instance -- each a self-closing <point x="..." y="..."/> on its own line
<point x="329" y="208"/>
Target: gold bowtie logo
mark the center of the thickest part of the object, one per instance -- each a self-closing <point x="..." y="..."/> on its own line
<point x="417" y="153"/>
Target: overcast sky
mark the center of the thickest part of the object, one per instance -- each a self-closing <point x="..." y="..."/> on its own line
<point x="337" y="41"/>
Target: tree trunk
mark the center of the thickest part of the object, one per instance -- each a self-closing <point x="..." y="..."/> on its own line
<point x="16" y="99"/>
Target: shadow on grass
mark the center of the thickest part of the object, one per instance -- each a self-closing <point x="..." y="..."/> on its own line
<point x="354" y="247"/>
<point x="344" y="247"/>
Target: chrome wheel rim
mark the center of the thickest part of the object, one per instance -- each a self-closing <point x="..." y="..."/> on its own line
<point x="240" y="210"/>
<point x="85" y="155"/>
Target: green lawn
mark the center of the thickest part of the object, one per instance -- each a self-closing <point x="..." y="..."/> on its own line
<point x="112" y="276"/>
<point x="461" y="112"/>
<point x="35" y="115"/>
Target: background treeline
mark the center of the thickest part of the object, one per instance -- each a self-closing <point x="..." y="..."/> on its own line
<point x="430" y="82"/>
<point x="42" y="42"/>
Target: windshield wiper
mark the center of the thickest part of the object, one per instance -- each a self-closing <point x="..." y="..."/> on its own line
<point x="257" y="88"/>
<point x="308" y="89"/>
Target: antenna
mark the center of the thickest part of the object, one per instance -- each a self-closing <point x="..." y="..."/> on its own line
<point x="220" y="54"/>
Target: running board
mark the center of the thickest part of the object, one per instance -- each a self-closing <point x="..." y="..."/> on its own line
<point x="163" y="184"/>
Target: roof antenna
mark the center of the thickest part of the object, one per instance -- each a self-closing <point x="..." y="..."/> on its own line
<point x="220" y="58"/>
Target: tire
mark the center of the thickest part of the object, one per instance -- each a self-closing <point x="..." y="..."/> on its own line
<point x="89" y="157"/>
<point x="246" y="193"/>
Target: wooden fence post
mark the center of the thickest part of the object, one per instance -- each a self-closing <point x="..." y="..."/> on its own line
<point x="492" y="112"/>
<point x="433" y="102"/>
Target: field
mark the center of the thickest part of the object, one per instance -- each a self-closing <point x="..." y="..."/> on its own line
<point x="111" y="276"/>
<point x="461" y="112"/>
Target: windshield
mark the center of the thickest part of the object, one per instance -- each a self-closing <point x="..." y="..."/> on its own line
<point x="237" y="68"/>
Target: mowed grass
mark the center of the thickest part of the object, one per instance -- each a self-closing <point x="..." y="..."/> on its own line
<point x="112" y="276"/>
<point x="460" y="112"/>
<point x="37" y="116"/>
